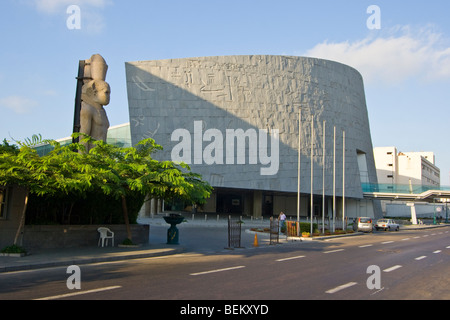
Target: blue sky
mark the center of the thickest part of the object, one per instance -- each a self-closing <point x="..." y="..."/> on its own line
<point x="405" y="64"/>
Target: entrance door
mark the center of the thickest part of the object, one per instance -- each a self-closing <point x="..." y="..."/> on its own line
<point x="229" y="203"/>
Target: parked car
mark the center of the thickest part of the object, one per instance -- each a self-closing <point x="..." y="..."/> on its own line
<point x="365" y="224"/>
<point x="387" y="224"/>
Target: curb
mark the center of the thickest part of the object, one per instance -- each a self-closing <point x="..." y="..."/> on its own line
<point x="307" y="238"/>
<point x="81" y="261"/>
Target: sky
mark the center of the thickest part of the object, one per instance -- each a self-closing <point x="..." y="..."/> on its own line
<point x="401" y="48"/>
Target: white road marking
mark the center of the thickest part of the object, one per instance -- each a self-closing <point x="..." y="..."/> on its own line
<point x="79" y="293"/>
<point x="342" y="287"/>
<point x="386" y="242"/>
<point x="337" y="250"/>
<point x="291" y="258"/>
<point x="421" y="257"/>
<point x="216" y="270"/>
<point x="405" y="239"/>
<point x="437" y="251"/>
<point x="392" y="268"/>
<point x="366" y="245"/>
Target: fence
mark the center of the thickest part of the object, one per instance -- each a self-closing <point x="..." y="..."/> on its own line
<point x="318" y="226"/>
<point x="274" y="231"/>
<point x="234" y="232"/>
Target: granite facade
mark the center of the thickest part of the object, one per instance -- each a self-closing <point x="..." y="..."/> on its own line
<point x="212" y="104"/>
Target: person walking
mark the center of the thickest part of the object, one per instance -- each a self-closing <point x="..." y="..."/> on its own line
<point x="282" y="221"/>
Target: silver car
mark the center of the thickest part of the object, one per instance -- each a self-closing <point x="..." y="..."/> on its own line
<point x="365" y="224"/>
<point x="387" y="224"/>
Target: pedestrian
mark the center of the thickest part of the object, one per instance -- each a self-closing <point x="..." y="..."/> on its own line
<point x="282" y="220"/>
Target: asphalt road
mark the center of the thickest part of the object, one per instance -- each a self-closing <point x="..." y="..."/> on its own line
<point x="407" y="264"/>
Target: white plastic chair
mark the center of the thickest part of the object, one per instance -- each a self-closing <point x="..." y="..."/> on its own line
<point x="105" y="234"/>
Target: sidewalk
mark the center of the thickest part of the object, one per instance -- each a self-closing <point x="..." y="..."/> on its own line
<point x="198" y="235"/>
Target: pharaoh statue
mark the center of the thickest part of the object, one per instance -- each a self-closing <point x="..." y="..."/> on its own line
<point x="94" y="95"/>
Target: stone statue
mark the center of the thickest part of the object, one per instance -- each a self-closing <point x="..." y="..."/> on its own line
<point x="95" y="94"/>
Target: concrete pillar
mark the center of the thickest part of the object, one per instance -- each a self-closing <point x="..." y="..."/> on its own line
<point x="257" y="203"/>
<point x="152" y="207"/>
<point x="413" y="212"/>
<point x="158" y="206"/>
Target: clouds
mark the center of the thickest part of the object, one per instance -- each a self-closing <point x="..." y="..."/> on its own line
<point x="18" y="104"/>
<point x="396" y="55"/>
<point x="92" y="20"/>
<point x="55" y="6"/>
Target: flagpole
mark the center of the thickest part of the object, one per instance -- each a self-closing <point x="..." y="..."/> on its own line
<point x="323" y="180"/>
<point x="312" y="172"/>
<point x="344" y="227"/>
<point x="298" y="172"/>
<point x="334" y="180"/>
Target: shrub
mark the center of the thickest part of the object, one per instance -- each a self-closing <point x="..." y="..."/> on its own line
<point x="13" y="249"/>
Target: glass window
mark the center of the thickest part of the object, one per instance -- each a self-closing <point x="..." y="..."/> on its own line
<point x="3" y="198"/>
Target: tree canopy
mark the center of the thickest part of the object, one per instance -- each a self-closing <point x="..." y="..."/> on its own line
<point x="107" y="169"/>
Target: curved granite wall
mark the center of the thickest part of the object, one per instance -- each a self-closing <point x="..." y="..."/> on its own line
<point x="208" y="111"/>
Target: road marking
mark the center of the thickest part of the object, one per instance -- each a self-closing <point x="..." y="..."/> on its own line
<point x="366" y="245"/>
<point x="420" y="258"/>
<point x="416" y="237"/>
<point x="291" y="258"/>
<point x="447" y="247"/>
<point x="79" y="293"/>
<point x="342" y="287"/>
<point x="427" y="235"/>
<point x="216" y="270"/>
<point x="405" y="239"/>
<point x="437" y="251"/>
<point x="337" y="250"/>
<point x="386" y="242"/>
<point x="392" y="268"/>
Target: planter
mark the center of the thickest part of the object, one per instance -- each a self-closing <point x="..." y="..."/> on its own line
<point x="172" y="233"/>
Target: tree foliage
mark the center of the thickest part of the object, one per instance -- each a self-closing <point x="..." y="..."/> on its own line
<point x="119" y="173"/>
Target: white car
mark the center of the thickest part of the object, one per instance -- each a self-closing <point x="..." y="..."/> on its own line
<point x="387" y="224"/>
<point x="365" y="224"/>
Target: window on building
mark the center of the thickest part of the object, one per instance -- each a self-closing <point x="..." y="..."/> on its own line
<point x="3" y="200"/>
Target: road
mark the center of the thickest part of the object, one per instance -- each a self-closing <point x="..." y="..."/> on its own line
<point x="411" y="265"/>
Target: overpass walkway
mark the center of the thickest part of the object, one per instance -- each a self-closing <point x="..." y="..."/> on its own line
<point x="409" y="193"/>
<point x="403" y="192"/>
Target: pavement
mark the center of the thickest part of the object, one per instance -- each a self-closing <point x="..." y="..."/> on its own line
<point x="198" y="234"/>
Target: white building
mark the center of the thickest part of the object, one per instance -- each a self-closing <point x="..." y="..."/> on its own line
<point x="406" y="168"/>
<point x="406" y="172"/>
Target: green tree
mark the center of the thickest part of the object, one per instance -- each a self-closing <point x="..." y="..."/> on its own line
<point x="122" y="171"/>
<point x="56" y="173"/>
<point x="113" y="171"/>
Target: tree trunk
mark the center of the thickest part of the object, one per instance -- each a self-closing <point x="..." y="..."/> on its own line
<point x="125" y="216"/>
<point x="22" y="219"/>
